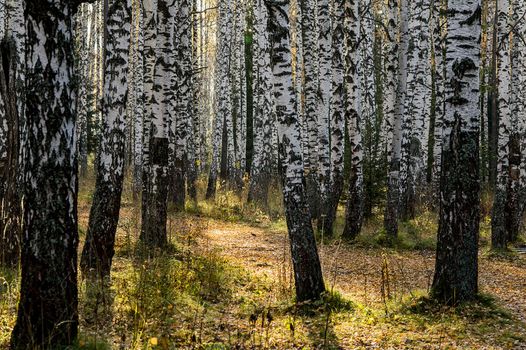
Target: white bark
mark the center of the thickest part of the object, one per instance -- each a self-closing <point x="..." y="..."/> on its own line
<point x="323" y="102"/>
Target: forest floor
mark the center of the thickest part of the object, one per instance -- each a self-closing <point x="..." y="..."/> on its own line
<point x="225" y="282"/>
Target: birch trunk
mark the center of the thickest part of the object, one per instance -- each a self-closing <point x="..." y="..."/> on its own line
<point x="456" y="269"/>
<point x="337" y="121"/>
<point x="155" y="167"/>
<point x="519" y="68"/>
<point x="99" y="248"/>
<point x="260" y="171"/>
<point x="353" y="116"/>
<point x="47" y="311"/>
<point x="393" y="61"/>
<point x="183" y="107"/>
<point x="310" y="57"/>
<point x="138" y="120"/>
<point x="222" y="91"/>
<point x="323" y="109"/>
<point x="499" y="233"/>
<point x="438" y="32"/>
<point x="307" y="269"/>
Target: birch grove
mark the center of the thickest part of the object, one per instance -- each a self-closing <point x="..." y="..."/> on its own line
<point x="126" y="126"/>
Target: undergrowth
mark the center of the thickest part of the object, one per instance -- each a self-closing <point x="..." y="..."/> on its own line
<point x="191" y="297"/>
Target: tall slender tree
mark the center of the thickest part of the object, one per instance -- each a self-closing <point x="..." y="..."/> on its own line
<point x="355" y="198"/>
<point x="323" y="108"/>
<point x="222" y="98"/>
<point x="392" y="117"/>
<point x="260" y="176"/>
<point x="155" y="166"/>
<point x="307" y="269"/>
<point x="456" y="269"/>
<point x="337" y="121"/>
<point x="310" y="59"/>
<point x="99" y="248"/>
<point x="499" y="232"/>
<point x="183" y="106"/>
<point x="138" y="120"/>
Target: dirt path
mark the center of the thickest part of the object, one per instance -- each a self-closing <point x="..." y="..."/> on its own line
<point x="356" y="272"/>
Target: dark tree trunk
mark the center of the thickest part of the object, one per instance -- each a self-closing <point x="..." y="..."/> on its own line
<point x="10" y="201"/>
<point x="354" y="211"/>
<point x="456" y="271"/>
<point x="47" y="311"/>
<point x="513" y="207"/>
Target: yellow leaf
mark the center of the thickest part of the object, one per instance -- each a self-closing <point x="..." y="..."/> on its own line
<point x="153" y="341"/>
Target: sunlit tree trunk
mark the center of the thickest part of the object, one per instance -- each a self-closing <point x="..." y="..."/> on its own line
<point x="99" y="248"/>
<point x="305" y="260"/>
<point x="456" y="269"/>
<point x="47" y="311"/>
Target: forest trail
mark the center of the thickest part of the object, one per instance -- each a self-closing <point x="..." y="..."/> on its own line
<point x="356" y="272"/>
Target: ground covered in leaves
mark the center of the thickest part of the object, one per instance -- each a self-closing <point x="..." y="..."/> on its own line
<point x="225" y="283"/>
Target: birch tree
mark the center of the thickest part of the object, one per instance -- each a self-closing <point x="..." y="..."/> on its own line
<point x="519" y="111"/>
<point x="499" y="232"/>
<point x="310" y="57"/>
<point x="438" y="40"/>
<point x="3" y="120"/>
<point x="416" y="109"/>
<point x="337" y="120"/>
<point x="194" y="141"/>
<point x="155" y="161"/>
<point x="83" y="26"/>
<point x="260" y="171"/>
<point x="394" y="59"/>
<point x="323" y="108"/>
<point x="183" y="106"/>
<point x="47" y="311"/>
<point x="353" y="117"/>
<point x="222" y="90"/>
<point x="307" y="269"/>
<point x="456" y="269"/>
<point x="99" y="248"/>
<point x="138" y="120"/>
